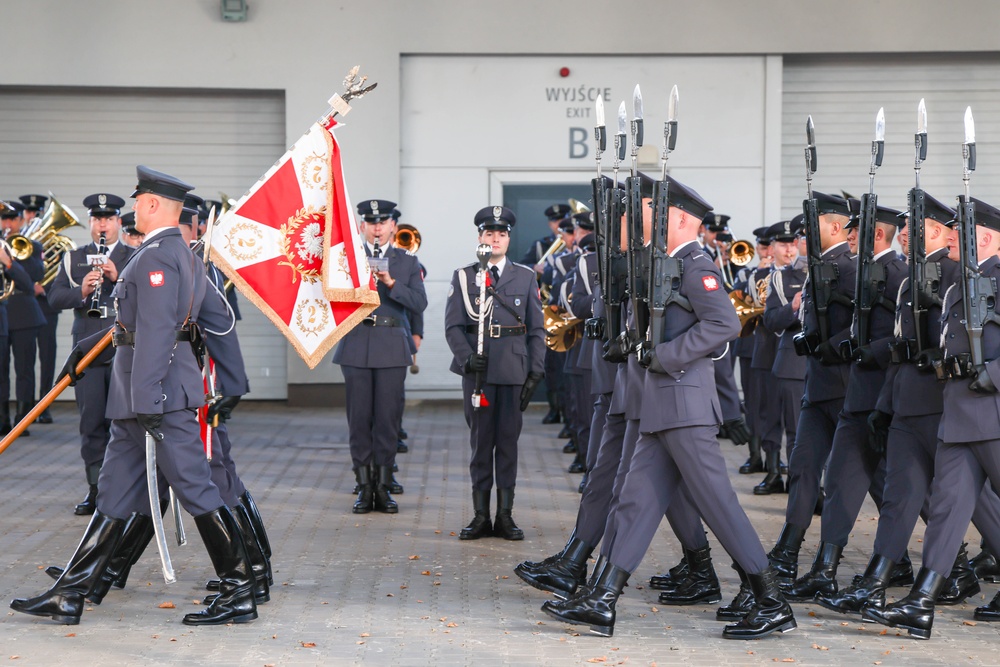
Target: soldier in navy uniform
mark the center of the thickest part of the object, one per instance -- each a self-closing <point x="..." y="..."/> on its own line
<point x="678" y="423"/>
<point x="130" y="236"/>
<point x="554" y="273"/>
<point x="73" y="289"/>
<point x="25" y="320"/>
<point x="156" y="387"/>
<point x="33" y="205"/>
<point x="374" y="358"/>
<point x="577" y="367"/>
<point x="825" y="387"/>
<point x="855" y="466"/>
<point x="511" y="366"/>
<point x="10" y="272"/>
<point x="968" y="450"/>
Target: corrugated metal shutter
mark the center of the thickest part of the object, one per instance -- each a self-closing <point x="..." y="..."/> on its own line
<point x="75" y="142"/>
<point x="843" y="95"/>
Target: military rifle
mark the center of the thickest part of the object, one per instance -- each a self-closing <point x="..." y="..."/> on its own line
<point x="871" y="275"/>
<point x="595" y="327"/>
<point x="638" y="251"/>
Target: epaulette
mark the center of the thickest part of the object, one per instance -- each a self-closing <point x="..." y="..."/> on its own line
<point x="523" y="266"/>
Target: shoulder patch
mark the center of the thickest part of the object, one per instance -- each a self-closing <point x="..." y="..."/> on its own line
<point x="711" y="283"/>
<point x="156" y="278"/>
<point x="451" y="290"/>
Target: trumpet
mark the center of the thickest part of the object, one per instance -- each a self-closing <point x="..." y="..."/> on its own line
<point x="741" y="253"/>
<point x="407" y="238"/>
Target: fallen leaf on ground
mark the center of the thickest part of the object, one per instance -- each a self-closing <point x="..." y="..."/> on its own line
<point x="414" y="557"/>
<point x="426" y="573"/>
<point x="968" y="622"/>
<point x="308" y="644"/>
<point x="452" y="625"/>
<point x="601" y="659"/>
<point x="72" y="634"/>
<point x="365" y="634"/>
<point x="167" y="605"/>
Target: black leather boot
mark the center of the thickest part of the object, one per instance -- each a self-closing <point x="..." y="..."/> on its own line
<point x="401" y="447"/>
<point x="532" y="566"/>
<point x="554" y="416"/>
<point x="961" y="584"/>
<point x="915" y="612"/>
<point x="769" y="613"/>
<point x="503" y="524"/>
<point x="480" y="526"/>
<point x="570" y="447"/>
<point x="583" y="482"/>
<point x="989" y="612"/>
<point x="5" y="425"/>
<point x="366" y="491"/>
<point x="784" y="557"/>
<point x="579" y="464"/>
<point x="755" y="463"/>
<point x="258" y="530"/>
<point x="870" y="590"/>
<point x="383" y="499"/>
<point x="902" y="572"/>
<point x="563" y="576"/>
<point x="772" y="482"/>
<point x="597" y="608"/>
<point x="700" y="586"/>
<point x="64" y="602"/>
<point x="822" y="576"/>
<point x="224" y="542"/>
<point x="395" y="487"/>
<point x="258" y="563"/>
<point x="45" y="417"/>
<point x="676" y="574"/>
<point x="985" y="565"/>
<point x="89" y="504"/>
<point x="23" y="408"/>
<point x="742" y="604"/>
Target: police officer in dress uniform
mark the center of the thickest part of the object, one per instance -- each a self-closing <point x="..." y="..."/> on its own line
<point x="511" y="367"/>
<point x="24" y="321"/>
<point x="825" y="387"/>
<point x="374" y="358"/>
<point x="968" y="451"/>
<point x="155" y="389"/>
<point x="33" y="205"/>
<point x="73" y="289"/>
<point x="677" y="443"/>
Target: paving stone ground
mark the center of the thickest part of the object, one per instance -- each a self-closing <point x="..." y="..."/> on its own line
<point x="403" y="590"/>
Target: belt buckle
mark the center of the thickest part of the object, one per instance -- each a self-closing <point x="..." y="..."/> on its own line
<point x="369" y="321"/>
<point x="494" y="331"/>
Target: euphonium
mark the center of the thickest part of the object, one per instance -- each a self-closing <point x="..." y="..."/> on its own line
<point x="562" y="331"/>
<point x="45" y="229"/>
<point x="6" y="283"/>
<point x="407" y="238"/>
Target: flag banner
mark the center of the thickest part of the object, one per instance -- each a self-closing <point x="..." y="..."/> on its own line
<point x="275" y="243"/>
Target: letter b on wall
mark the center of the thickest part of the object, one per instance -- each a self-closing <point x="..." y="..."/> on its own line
<point x="578" y="143"/>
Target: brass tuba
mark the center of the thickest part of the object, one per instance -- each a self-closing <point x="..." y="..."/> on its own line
<point x="45" y="229"/>
<point x="562" y="330"/>
<point x="407" y="238"/>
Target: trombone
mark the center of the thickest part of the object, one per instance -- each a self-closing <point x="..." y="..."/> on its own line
<point x="407" y="238"/>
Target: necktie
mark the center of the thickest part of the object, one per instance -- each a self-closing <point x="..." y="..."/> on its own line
<point x="494" y="275"/>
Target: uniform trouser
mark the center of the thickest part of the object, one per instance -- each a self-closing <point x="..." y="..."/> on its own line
<point x="813" y="440"/>
<point x="567" y="400"/>
<point x="592" y="517"/>
<point x="960" y="471"/>
<point x="789" y="405"/>
<point x="681" y="513"/>
<point x="5" y="371"/>
<point x="749" y="393"/>
<point x="852" y="471"/>
<point x="373" y="413"/>
<point x="661" y="462"/>
<point x="755" y="403"/>
<point x="180" y="458"/>
<point x="602" y="403"/>
<point x="554" y="362"/>
<point x="91" y="402"/>
<point x="769" y="414"/>
<point x="224" y="468"/>
<point x="23" y="343"/>
<point x="744" y="379"/>
<point x="495" y="430"/>
<point x="583" y="408"/>
<point x="909" y="472"/>
<point x="47" y="353"/>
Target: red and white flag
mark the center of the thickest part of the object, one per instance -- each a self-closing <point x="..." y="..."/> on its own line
<point x="292" y="248"/>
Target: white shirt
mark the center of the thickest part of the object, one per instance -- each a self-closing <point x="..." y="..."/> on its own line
<point x="673" y="253"/>
<point x="500" y="265"/>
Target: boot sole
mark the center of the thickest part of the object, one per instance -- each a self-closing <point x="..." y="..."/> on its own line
<point x="600" y="630"/>
<point x="361" y="510"/>
<point x="731" y="615"/>
<point x="709" y="599"/>
<point x="919" y="633"/>
<point x="58" y="618"/>
<point x="832" y="607"/>
<point x="560" y="593"/>
<point x="966" y="594"/>
<point x="242" y="618"/>
<point x="787" y="626"/>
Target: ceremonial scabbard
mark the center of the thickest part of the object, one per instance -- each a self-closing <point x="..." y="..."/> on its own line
<point x="154" y="505"/>
<point x="175" y="509"/>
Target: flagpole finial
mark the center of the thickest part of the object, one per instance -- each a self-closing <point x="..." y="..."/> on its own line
<point x="354" y="87"/>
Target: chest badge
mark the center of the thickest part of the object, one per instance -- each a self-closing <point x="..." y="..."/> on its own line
<point x="517" y="302"/>
<point x="156" y="278"/>
<point x="710" y="282"/>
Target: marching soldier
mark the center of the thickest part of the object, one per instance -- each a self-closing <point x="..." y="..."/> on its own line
<point x="85" y="287"/>
<point x="155" y="388"/>
<point x="130" y="236"/>
<point x="25" y="320"/>
<point x="825" y="387"/>
<point x="678" y="423"/>
<point x="374" y="358"/>
<point x="511" y="366"/>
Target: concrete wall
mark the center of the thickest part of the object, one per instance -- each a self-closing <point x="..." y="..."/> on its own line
<point x="304" y="47"/>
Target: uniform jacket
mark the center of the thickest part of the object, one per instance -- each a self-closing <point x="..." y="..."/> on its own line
<point x="824" y="383"/>
<point x="969" y="416"/>
<point x="587" y="302"/>
<point x="65" y="292"/>
<point x="907" y="391"/>
<point x="511" y="358"/>
<point x="864" y="384"/>
<point x="685" y="393"/>
<point x="765" y="342"/>
<point x="23" y="309"/>
<point x="537" y="249"/>
<point x="784" y="322"/>
<point x="22" y="282"/>
<point x="579" y="303"/>
<point x="219" y="325"/>
<point x="382" y="346"/>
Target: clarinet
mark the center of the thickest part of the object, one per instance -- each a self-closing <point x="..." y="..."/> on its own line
<point x="96" y="310"/>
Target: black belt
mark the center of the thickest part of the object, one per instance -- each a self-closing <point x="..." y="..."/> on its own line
<point x="902" y="350"/>
<point x="497" y="331"/>
<point x="380" y="321"/>
<point x="122" y="338"/>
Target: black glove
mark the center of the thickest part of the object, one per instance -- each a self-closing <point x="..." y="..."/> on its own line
<point x="528" y="389"/>
<point x="222" y="409"/>
<point x="737" y="430"/>
<point x="866" y="358"/>
<point x="69" y="368"/>
<point x="476" y="363"/>
<point x="151" y="423"/>
<point x="983" y="384"/>
<point x="614" y="352"/>
<point x="827" y="354"/>
<point x="878" y="431"/>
